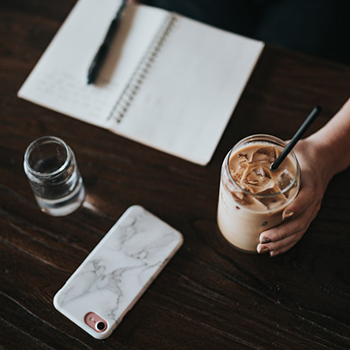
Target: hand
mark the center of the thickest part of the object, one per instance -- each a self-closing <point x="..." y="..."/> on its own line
<point x="315" y="176"/>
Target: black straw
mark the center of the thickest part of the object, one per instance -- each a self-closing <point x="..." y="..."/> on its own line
<point x="309" y="120"/>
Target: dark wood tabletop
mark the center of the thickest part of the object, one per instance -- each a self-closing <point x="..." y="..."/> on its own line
<point x="210" y="296"/>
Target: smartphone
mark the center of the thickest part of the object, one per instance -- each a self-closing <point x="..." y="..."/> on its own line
<point x="117" y="272"/>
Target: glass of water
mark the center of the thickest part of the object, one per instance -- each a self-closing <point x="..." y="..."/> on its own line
<point x="54" y="177"/>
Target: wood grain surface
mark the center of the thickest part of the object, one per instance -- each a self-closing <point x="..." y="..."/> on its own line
<point x="210" y="296"/>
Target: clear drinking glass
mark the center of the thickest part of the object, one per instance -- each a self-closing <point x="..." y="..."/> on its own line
<point x="252" y="197"/>
<point x="54" y="177"/>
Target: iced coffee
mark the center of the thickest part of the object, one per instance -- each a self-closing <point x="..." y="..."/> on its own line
<point x="252" y="197"/>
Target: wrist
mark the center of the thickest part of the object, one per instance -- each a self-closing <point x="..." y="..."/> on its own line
<point x="324" y="156"/>
<point x="332" y="141"/>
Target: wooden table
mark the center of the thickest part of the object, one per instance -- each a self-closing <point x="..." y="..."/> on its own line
<point x="210" y="296"/>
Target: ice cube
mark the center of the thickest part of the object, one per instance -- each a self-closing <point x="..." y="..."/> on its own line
<point x="257" y="205"/>
<point x="242" y="157"/>
<point x="284" y="180"/>
<point x="237" y="166"/>
<point x="272" y="199"/>
<point x="264" y="155"/>
<point x="238" y="174"/>
<point x="258" y="180"/>
<point x="246" y="200"/>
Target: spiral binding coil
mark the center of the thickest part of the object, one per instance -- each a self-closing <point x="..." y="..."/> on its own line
<point x="123" y="103"/>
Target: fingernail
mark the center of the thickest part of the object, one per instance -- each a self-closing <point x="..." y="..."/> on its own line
<point x="262" y="249"/>
<point x="288" y="215"/>
<point x="265" y="240"/>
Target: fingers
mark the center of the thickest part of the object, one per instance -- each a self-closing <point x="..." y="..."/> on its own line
<point x="283" y="237"/>
<point x="305" y="199"/>
<point x="283" y="249"/>
<point x="296" y="219"/>
<point x="298" y="215"/>
<point x="290" y="227"/>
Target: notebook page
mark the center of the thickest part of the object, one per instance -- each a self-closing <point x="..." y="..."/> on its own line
<point x="59" y="80"/>
<point x="188" y="97"/>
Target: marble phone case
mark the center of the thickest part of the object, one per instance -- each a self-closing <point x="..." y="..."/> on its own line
<point x="118" y="270"/>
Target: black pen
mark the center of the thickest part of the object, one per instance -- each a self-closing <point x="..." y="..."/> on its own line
<point x="101" y="54"/>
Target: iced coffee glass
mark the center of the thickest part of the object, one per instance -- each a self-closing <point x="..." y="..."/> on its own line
<point x="252" y="197"/>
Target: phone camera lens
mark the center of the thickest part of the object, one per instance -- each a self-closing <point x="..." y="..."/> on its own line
<point x="100" y="326"/>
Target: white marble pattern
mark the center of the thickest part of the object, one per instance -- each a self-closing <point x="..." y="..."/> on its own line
<point x="119" y="269"/>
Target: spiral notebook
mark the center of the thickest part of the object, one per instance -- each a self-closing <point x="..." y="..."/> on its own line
<point x="168" y="82"/>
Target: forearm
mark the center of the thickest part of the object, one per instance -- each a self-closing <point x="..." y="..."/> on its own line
<point x="333" y="141"/>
